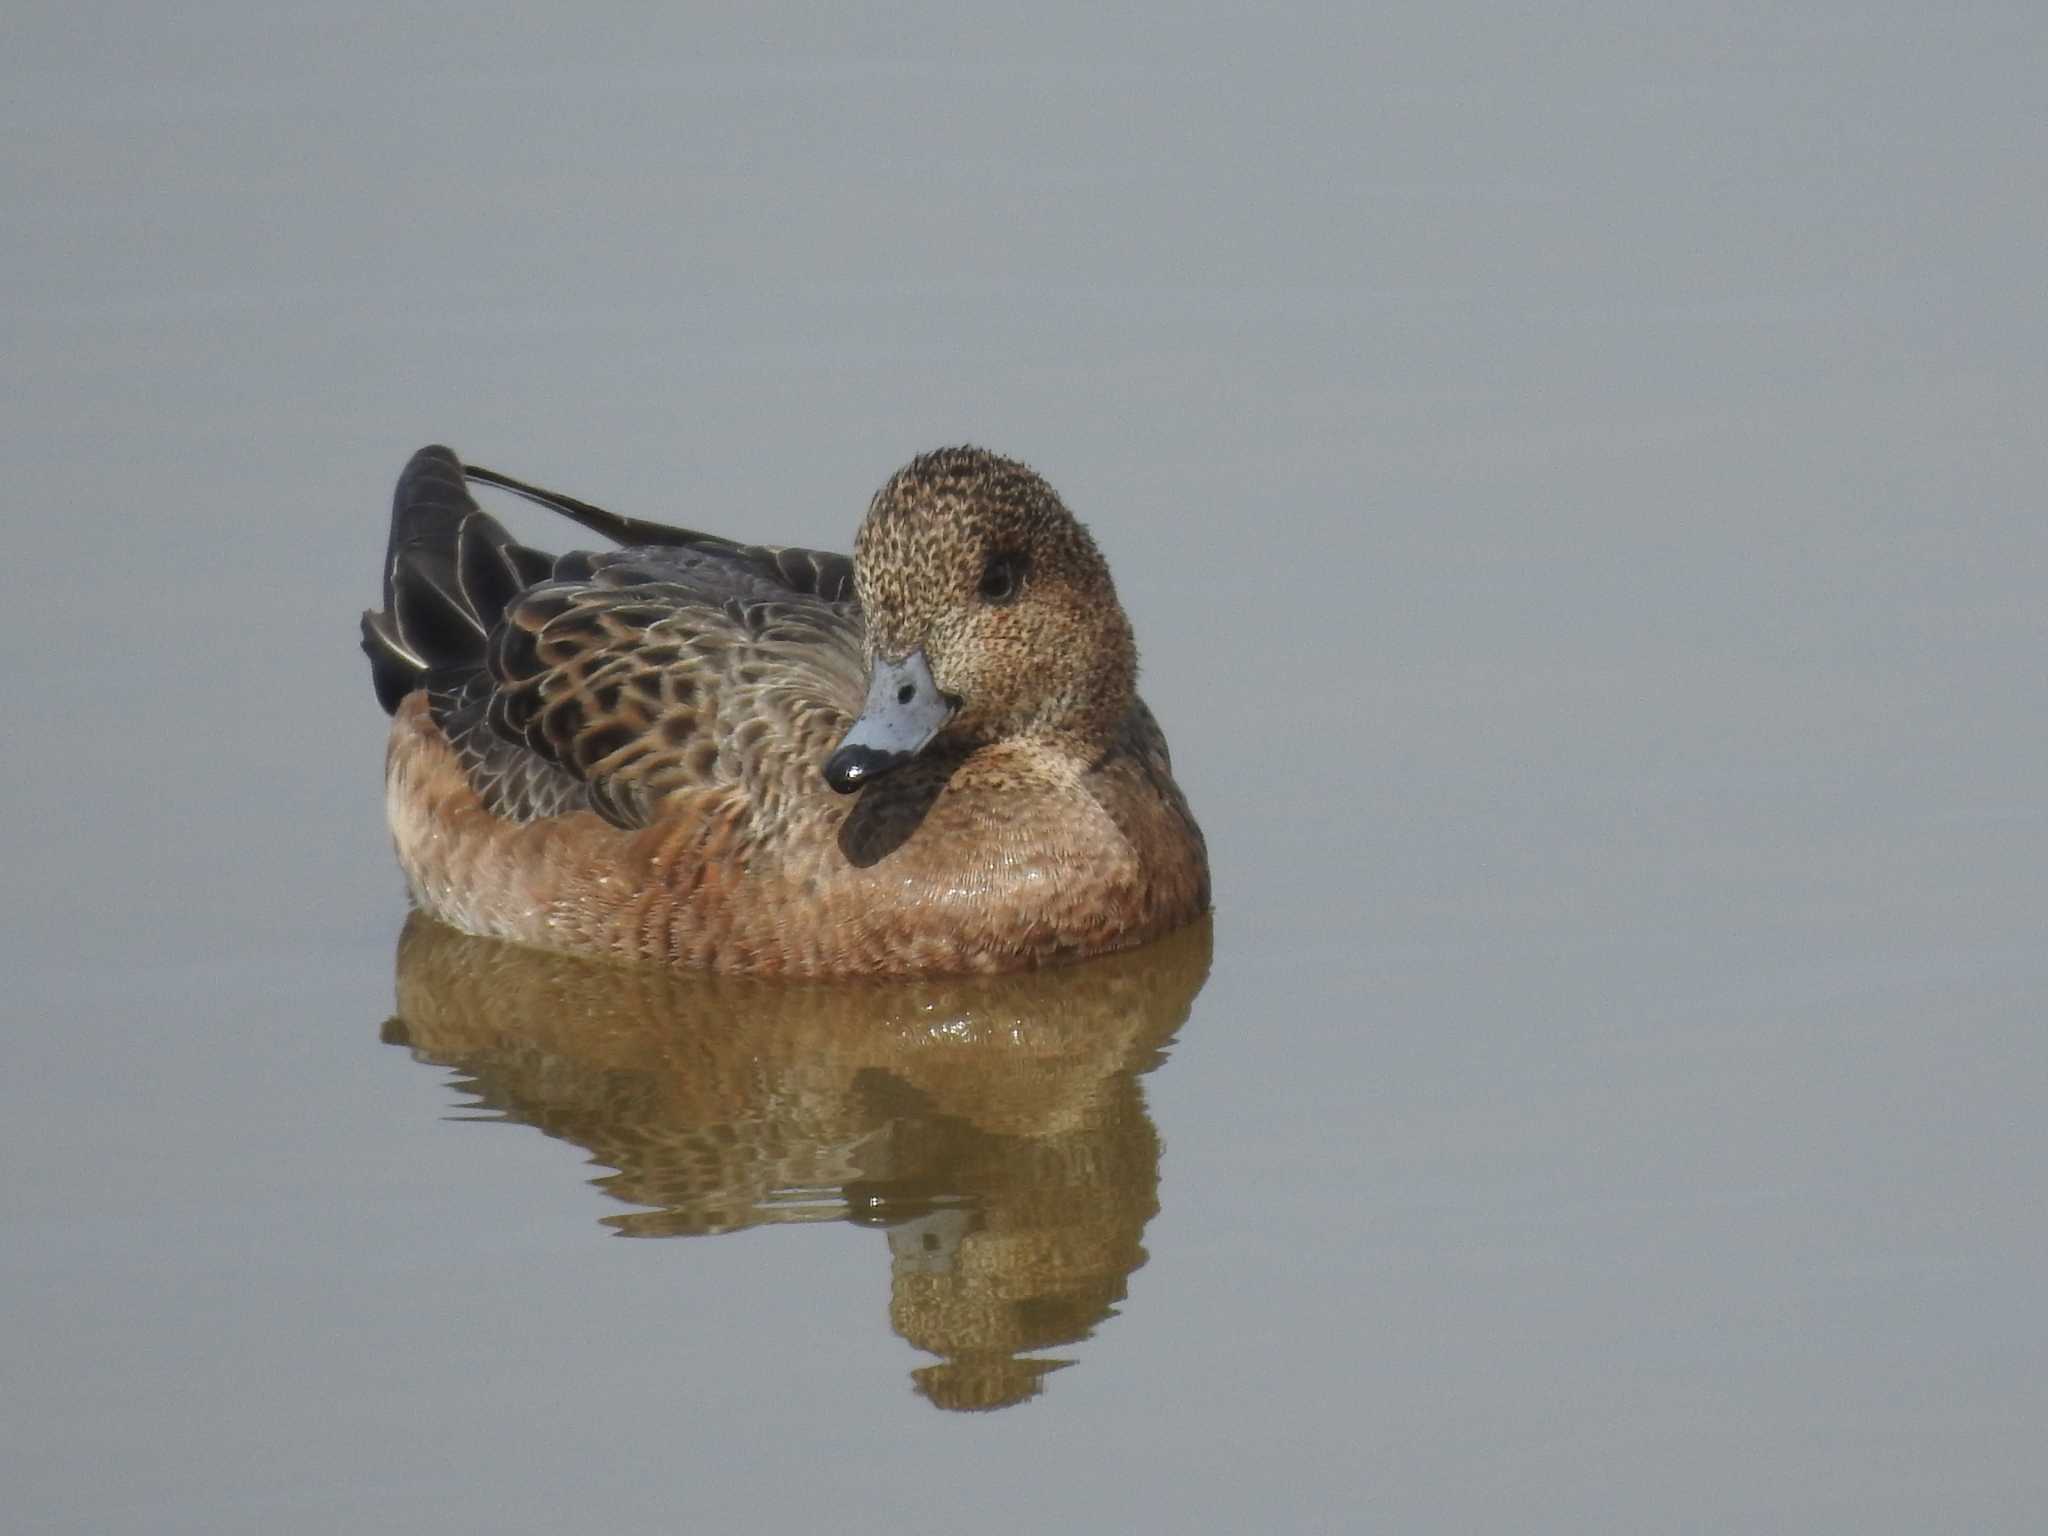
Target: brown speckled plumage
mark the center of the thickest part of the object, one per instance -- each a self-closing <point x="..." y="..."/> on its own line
<point x="620" y="753"/>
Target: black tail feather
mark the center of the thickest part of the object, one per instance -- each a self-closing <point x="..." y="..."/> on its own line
<point x="449" y="570"/>
<point x="394" y="670"/>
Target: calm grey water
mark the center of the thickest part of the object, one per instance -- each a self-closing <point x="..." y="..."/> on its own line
<point x="1577" y="481"/>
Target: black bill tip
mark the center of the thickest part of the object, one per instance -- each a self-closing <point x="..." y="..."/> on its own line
<point x="851" y="767"/>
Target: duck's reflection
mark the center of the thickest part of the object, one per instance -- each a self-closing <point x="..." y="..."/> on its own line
<point x="993" y="1127"/>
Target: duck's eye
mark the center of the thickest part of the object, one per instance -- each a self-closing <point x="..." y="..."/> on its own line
<point x="1000" y="578"/>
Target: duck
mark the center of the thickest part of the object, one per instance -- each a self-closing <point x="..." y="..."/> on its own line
<point x="927" y="758"/>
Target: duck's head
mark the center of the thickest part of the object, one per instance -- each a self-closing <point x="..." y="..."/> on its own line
<point x="990" y="614"/>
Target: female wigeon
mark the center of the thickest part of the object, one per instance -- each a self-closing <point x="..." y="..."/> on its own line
<point x="928" y="758"/>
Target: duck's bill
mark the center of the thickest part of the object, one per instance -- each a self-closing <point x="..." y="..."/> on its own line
<point x="904" y="711"/>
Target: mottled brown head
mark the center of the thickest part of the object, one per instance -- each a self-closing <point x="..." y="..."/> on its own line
<point x="974" y="560"/>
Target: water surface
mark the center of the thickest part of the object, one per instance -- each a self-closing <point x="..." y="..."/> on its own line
<point x="1576" y="481"/>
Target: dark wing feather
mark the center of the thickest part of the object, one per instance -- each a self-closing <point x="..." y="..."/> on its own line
<point x="449" y="570"/>
<point x="513" y="782"/>
<point x="806" y="572"/>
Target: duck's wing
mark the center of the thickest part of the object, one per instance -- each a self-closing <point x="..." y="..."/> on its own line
<point x="809" y="572"/>
<point x="612" y="680"/>
<point x="653" y="676"/>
